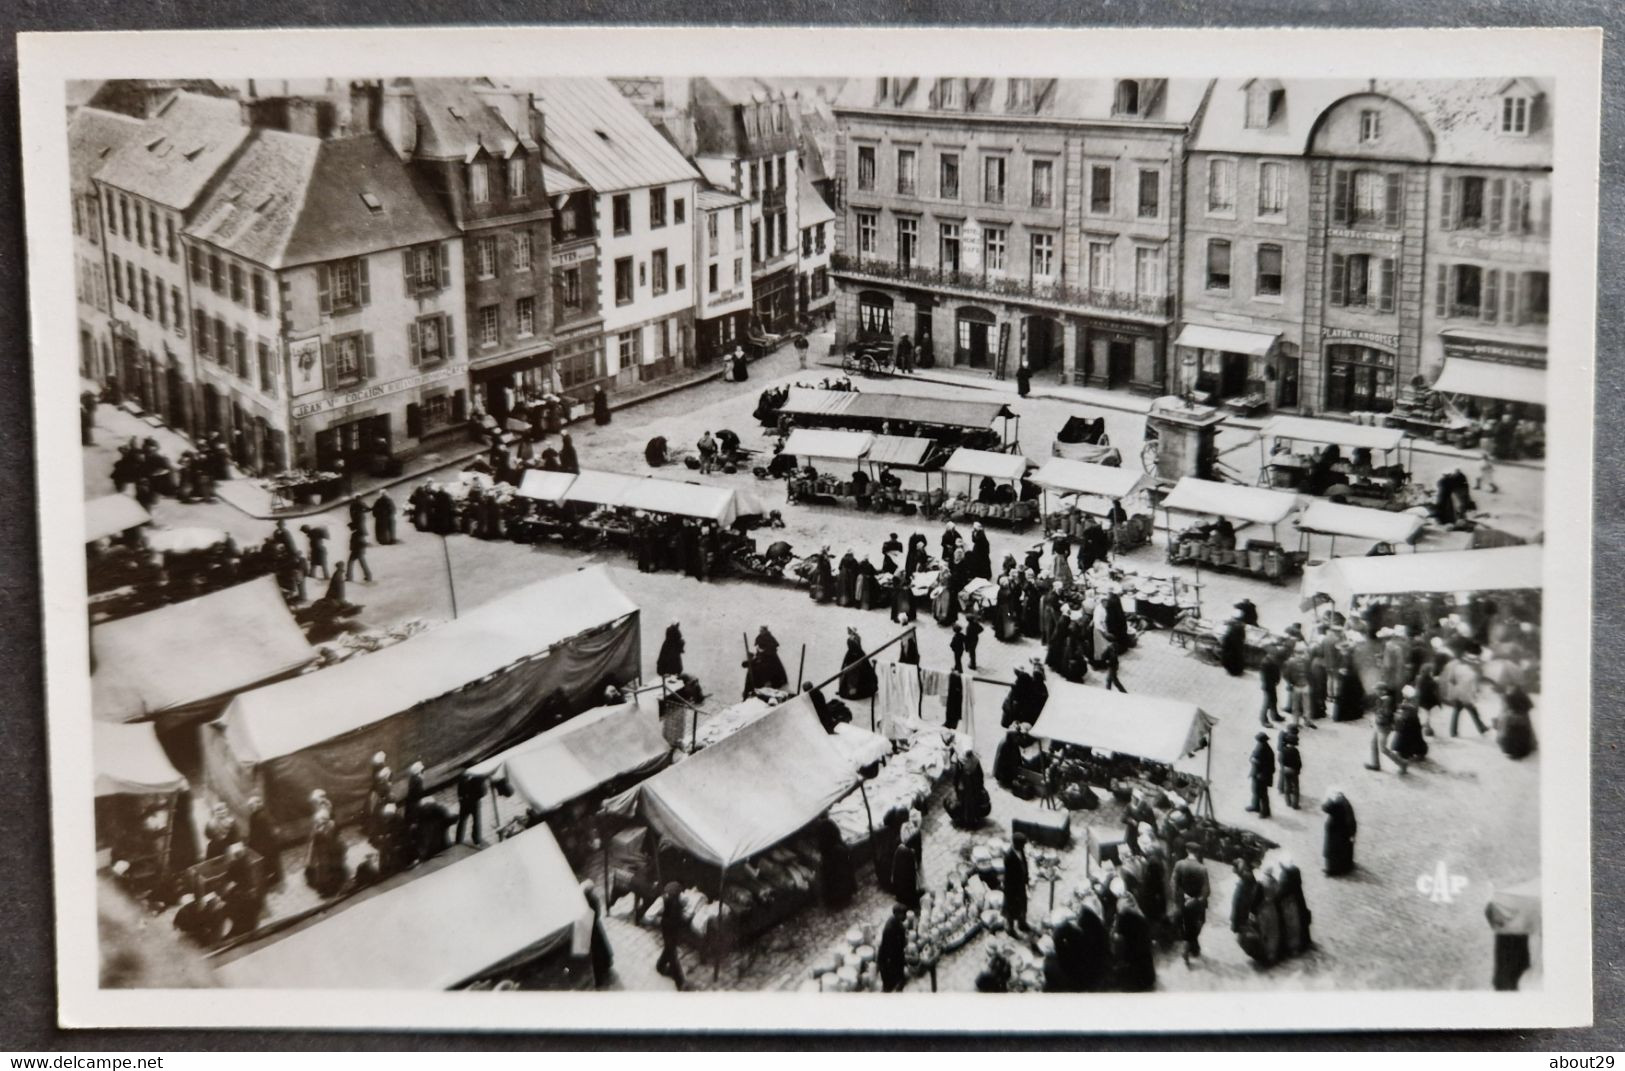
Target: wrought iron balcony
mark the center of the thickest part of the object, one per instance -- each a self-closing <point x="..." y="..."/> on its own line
<point x="1083" y="299"/>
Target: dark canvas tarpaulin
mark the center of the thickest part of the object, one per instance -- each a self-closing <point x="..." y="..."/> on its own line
<point x="447" y="697"/>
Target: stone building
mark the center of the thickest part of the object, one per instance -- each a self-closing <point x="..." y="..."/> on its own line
<point x="721" y="273"/>
<point x="93" y="136"/>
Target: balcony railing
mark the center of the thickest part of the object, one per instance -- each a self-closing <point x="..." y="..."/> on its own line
<point x="1084" y="298"/>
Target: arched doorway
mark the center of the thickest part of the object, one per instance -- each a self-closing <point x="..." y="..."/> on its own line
<point x="1044" y="347"/>
<point x="973" y="336"/>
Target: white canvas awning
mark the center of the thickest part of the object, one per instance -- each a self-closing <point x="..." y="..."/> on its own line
<point x="1145" y="726"/>
<point x="545" y="486"/>
<point x="835" y="445"/>
<point x="598" y="488"/>
<point x="908" y="451"/>
<point x="112" y="515"/>
<point x="1226" y="339"/>
<point x="1491" y="379"/>
<point x="184" y="540"/>
<point x="1331" y="518"/>
<point x="1495" y="569"/>
<point x="1256" y="505"/>
<point x="1070" y="477"/>
<point x="681" y="499"/>
<point x="130" y="761"/>
<point x="967" y="462"/>
<point x="1303" y="429"/>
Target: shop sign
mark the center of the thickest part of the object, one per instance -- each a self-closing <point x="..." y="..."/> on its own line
<point x="373" y="391"/>
<point x="570" y="257"/>
<point x="1392" y="237"/>
<point x="725" y="296"/>
<point x="305" y="362"/>
<point x="1492" y="352"/>
<point x="1376" y="338"/>
<point x="1489" y="247"/>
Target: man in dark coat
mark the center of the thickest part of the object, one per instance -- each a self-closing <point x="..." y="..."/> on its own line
<point x="670" y="963"/>
<point x="358" y="553"/>
<point x="905" y="875"/>
<point x="316" y="536"/>
<point x="1269" y="679"/>
<point x="956" y="644"/>
<point x="670" y="662"/>
<point x="890" y="957"/>
<point x="1015" y="885"/>
<point x="1109" y="662"/>
<point x="1341" y="827"/>
<point x="1291" y="763"/>
<point x="1262" y="773"/>
<point x="358" y="511"/>
<point x="1191" y="891"/>
<point x="1233" y="646"/>
<point x="263" y="841"/>
<point x="973" y="636"/>
<point x="1024" y="380"/>
<point x="383" y="519"/>
<point x="470" y="795"/>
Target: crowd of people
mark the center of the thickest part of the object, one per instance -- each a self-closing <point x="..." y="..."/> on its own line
<point x="147" y="473"/>
<point x="401" y="829"/>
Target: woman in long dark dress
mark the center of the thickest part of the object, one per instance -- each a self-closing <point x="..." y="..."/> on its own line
<point x="600" y="406"/>
<point x="602" y="956"/>
<point x="769" y="669"/>
<point x="670" y="662"/>
<point x="1060" y="634"/>
<point x="1515" y="731"/>
<point x="955" y="704"/>
<point x="567" y="455"/>
<point x="858" y="679"/>
<point x="1136" y="970"/>
<point x="1093" y="954"/>
<point x="823" y="585"/>
<point x="1410" y="744"/>
<point x="1341" y="828"/>
<point x="849" y="579"/>
<point x="1077" y="651"/>
<point x="970" y="804"/>
<point x="836" y="881"/>
<point x="1007" y="760"/>
<point x="1295" y="913"/>
<point x="1350" y="702"/>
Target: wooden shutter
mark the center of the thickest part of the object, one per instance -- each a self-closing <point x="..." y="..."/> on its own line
<point x="407" y="274"/>
<point x="1339" y="279"/>
<point x="1497" y="205"/>
<point x="329" y="366"/>
<point x="1340" y="197"/>
<point x="1393" y="202"/>
<point x="366" y="284"/>
<point x="448" y="337"/>
<point x="1447" y="205"/>
<point x="459" y="406"/>
<point x="1441" y="295"/>
<point x="414" y="420"/>
<point x="324" y="289"/>
<point x="368" y="360"/>
<point x="1488" y="293"/>
<point x="412" y="344"/>
<point x="1518" y="196"/>
<point x="1388" y="279"/>
<point x="445" y="265"/>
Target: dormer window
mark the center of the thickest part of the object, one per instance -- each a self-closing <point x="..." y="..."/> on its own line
<point x="1265" y="101"/>
<point x="882" y="90"/>
<point x="1515" y="115"/>
<point x="951" y="93"/>
<point x="1370" y="126"/>
<point x="1127" y="101"/>
<point x="781" y="116"/>
<point x="1021" y="94"/>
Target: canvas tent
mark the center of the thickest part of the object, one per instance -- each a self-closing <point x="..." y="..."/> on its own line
<point x="1357" y="522"/>
<point x="973" y="463"/>
<point x="446" y="697"/>
<point x="113" y="515"/>
<point x="1335" y="432"/>
<point x="584" y="754"/>
<point x="130" y="762"/>
<point x="545" y="486"/>
<point x="680" y="499"/>
<point x="939" y="412"/>
<point x="1209" y="498"/>
<point x="503" y="906"/>
<point x="187" y="660"/>
<point x="1492" y="379"/>
<point x="1144" y="726"/>
<point x="849" y="446"/>
<point x="813" y="402"/>
<point x="1100" y="483"/>
<point x="597" y="488"/>
<point x="747" y="792"/>
<point x="905" y="451"/>
<point x="1345" y="580"/>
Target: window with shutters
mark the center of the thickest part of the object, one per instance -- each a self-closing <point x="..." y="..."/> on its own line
<point x="1221" y="187"/>
<point x="434" y="410"/>
<point x="146" y="294"/>
<point x="200" y="265"/>
<point x="1360" y="280"/>
<point x="262" y="294"/>
<point x="623" y="281"/>
<point x="200" y="332"/>
<point x="948" y="176"/>
<point x="1218" y="264"/>
<point x="425" y="264"/>
<point x="485" y="257"/>
<point x="1271" y="189"/>
<point x="621" y="213"/>
<point x="217" y="274"/>
<point x="240" y="356"/>
<point x="993" y="248"/>
<point x="1150" y="193"/>
<point x="479" y="183"/>
<point x="176" y="316"/>
<point x="907" y="178"/>
<point x="523" y="251"/>
<point x="657" y="208"/>
<point x="1369" y="192"/>
<point x="488" y="324"/>
<point x="171" y="245"/>
<point x="1462" y="291"/>
<point x="1470" y="202"/>
<point x="118" y="280"/>
<point x="152" y="229"/>
<point x="1100" y="189"/>
<point x="222" y="342"/>
<point x="239" y="285"/>
<point x="1043" y="183"/>
<point x="868" y="234"/>
<point x="1268" y="277"/>
<point x="431" y="340"/>
<point x="344" y="284"/>
<point x="866" y="167"/>
<point x="657" y="271"/>
<point x="347" y="358"/>
<point x="993" y="168"/>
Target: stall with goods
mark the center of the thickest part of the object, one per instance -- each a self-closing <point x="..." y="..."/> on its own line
<point x="1306" y="455"/>
<point x="143" y="808"/>
<point x="985" y="485"/>
<point x="1346" y="583"/>
<point x="953" y="422"/>
<point x="1385" y="530"/>
<point x="446" y="697"/>
<point x="827" y="461"/>
<point x="539" y="506"/>
<point x="1494" y="405"/>
<point x="1077" y="490"/>
<point x="115" y="517"/>
<point x="1215" y="544"/>
<point x="503" y="912"/>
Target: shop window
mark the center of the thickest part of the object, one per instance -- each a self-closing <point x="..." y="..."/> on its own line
<point x="874" y="314"/>
<point x="1359" y="379"/>
<point x="629" y="345"/>
<point x="435" y="411"/>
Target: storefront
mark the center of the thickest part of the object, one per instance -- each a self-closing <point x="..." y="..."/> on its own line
<point x="1495" y="369"/>
<point x="720" y="334"/>
<point x="374" y="425"/>
<point x="1221" y="363"/>
<point x="578" y="360"/>
<point x="1117" y="354"/>
<point x="875" y="315"/>
<point x="976" y="335"/>
<point x="1360" y="378"/>
<point x="499" y="388"/>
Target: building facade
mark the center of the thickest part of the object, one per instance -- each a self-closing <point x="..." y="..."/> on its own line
<point x="93" y="135"/>
<point x="578" y="319"/>
<point x="745" y="134"/>
<point x="722" y="281"/>
<point x="997" y="221"/>
<point x="328" y="306"/>
<point x="815" y="297"/>
<point x="478" y="147"/>
<point x="149" y="189"/>
<point x="1344" y="238"/>
<point x="643" y="193"/>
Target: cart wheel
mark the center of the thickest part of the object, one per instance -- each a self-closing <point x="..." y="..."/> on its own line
<point x="869" y="367"/>
<point x="1137" y="625"/>
<point x="1148" y="457"/>
<point x="849" y="364"/>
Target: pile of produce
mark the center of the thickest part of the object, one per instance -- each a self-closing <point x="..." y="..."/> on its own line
<point x="905" y="780"/>
<point x="349" y="644"/>
<point x="850" y="965"/>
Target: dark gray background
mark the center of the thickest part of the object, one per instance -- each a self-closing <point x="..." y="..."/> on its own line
<point x="27" y="975"/>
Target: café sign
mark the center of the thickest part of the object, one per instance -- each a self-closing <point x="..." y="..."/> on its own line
<point x="369" y="392"/>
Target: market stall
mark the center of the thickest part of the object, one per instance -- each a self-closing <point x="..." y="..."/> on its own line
<point x="543" y="485"/>
<point x="1216" y="545"/>
<point x="445" y="697"/>
<point x="113" y="517"/>
<point x="1377" y="470"/>
<point x="1081" y="487"/>
<point x="992" y="482"/>
<point x="674" y="498"/>
<point x="1346" y="582"/>
<point x="496" y="912"/>
<point x="955" y="421"/>
<point x="1381" y="527"/>
<point x="142" y="805"/>
<point x="192" y="540"/>
<point x="827" y="461"/>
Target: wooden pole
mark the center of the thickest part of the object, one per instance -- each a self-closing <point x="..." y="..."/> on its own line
<point x="716" y="942"/>
<point x="801" y="667"/>
<point x="451" y="583"/>
<point x="868" y="656"/>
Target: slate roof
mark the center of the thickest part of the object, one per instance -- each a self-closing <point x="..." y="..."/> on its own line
<point x="177" y="151"/>
<point x="811" y="207"/>
<point x="455" y="121"/>
<point x="603" y="137"/>
<point x="1224" y="122"/>
<point x="254" y="208"/>
<point x="1179" y="100"/>
<point x="93" y="137"/>
<point x="714" y="106"/>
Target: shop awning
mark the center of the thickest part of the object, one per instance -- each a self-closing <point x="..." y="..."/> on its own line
<point x="130" y="761"/>
<point x="836" y="445"/>
<point x="1256" y="505"/>
<point x="545" y="486"/>
<point x="811" y="401"/>
<point x="503" y="905"/>
<point x="1491" y="379"/>
<point x="1352" y="436"/>
<point x="1386" y="526"/>
<point x="586" y="752"/>
<point x="1070" y="477"/>
<point x="184" y="540"/>
<point x="1494" y="569"/>
<point x="680" y="499"/>
<point x="112" y="515"/>
<point x="944" y="412"/>
<point x="598" y="488"/>
<point x="193" y="655"/>
<point x="1226" y="339"/>
<point x="905" y="451"/>
<point x="747" y="792"/>
<point x="966" y="462"/>
<point x="1145" y="726"/>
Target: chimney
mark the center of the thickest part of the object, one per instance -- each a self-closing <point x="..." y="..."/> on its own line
<point x="364" y="107"/>
<point x="338" y="98"/>
<point x="398" y="119"/>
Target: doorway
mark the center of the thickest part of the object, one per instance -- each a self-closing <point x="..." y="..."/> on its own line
<point x="1119" y="362"/>
<point x="975" y="327"/>
<point x="1045" y="348"/>
<point x="360" y="444"/>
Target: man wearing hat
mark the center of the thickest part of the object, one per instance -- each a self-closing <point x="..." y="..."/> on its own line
<point x="1291" y="762"/>
<point x="1015" y="885"/>
<point x="1262" y="773"/>
<point x="1191" y="891"/>
<point x="890" y="958"/>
